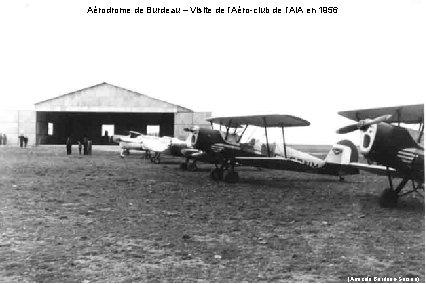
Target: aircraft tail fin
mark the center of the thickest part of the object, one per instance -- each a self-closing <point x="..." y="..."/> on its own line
<point x="340" y="156"/>
<point x="343" y="153"/>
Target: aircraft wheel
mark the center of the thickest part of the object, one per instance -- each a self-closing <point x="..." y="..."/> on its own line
<point x="231" y="176"/>
<point x="192" y="167"/>
<point x="389" y="198"/>
<point x="183" y="166"/>
<point x="216" y="174"/>
<point x="127" y="152"/>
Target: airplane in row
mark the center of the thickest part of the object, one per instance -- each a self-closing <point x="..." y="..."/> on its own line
<point x="390" y="148"/>
<point x="397" y="151"/>
<point x="153" y="146"/>
<point x="233" y="147"/>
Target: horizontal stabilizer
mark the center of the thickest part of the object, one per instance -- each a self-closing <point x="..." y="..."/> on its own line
<point x="375" y="169"/>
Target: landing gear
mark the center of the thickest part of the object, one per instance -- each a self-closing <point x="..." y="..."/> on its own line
<point x="389" y="198"/>
<point x="148" y="155"/>
<point x="216" y="174"/>
<point x="231" y="176"/>
<point x="187" y="165"/>
<point x="156" y="158"/>
<point x="225" y="172"/>
<point x="124" y="152"/>
<point x="192" y="167"/>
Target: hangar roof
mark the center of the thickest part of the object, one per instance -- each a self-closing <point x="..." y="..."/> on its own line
<point x="105" y="97"/>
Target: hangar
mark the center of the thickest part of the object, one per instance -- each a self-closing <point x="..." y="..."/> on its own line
<point x="98" y="112"/>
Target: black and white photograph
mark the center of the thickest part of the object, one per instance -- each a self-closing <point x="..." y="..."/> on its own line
<point x="212" y="141"/>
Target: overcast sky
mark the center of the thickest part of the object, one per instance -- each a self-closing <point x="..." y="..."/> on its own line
<point x="371" y="53"/>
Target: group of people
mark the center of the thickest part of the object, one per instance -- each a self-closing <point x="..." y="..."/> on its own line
<point x="3" y="139"/>
<point x="86" y="146"/>
<point x="23" y="141"/>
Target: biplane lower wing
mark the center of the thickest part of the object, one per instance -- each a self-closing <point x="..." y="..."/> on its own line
<point x="278" y="163"/>
<point x="375" y="169"/>
<point x="297" y="165"/>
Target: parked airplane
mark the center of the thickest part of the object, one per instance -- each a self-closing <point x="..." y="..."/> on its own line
<point x="153" y="146"/>
<point x="398" y="151"/>
<point x="226" y="149"/>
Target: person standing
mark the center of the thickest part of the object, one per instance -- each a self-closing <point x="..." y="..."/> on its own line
<point x="69" y="145"/>
<point x="21" y="140"/>
<point x="106" y="137"/>
<point x="85" y="146"/>
<point x="4" y="139"/>
<point x="89" y="147"/>
<point x="1" y="139"/>
<point x="25" y="141"/>
<point x="79" y="147"/>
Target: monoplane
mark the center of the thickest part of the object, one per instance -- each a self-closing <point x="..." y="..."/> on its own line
<point x="153" y="146"/>
<point x="230" y="146"/>
<point x="397" y="151"/>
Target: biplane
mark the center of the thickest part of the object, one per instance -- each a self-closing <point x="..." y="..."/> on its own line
<point x="231" y="146"/>
<point x="397" y="151"/>
<point x="153" y="146"/>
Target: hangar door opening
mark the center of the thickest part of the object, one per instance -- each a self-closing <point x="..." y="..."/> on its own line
<point x="55" y="127"/>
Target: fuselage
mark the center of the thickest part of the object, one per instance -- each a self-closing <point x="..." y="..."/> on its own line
<point x="272" y="155"/>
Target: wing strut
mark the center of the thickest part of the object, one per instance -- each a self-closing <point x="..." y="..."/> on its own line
<point x="227" y="129"/>
<point x="266" y="134"/>
<point x="398" y="113"/>
<point x="422" y="129"/>
<point x="239" y="139"/>
<point x="285" y="147"/>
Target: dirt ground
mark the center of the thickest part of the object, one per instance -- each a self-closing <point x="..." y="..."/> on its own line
<point x="100" y="218"/>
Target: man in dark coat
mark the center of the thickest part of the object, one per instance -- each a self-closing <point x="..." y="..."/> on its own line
<point x="69" y="144"/>
<point x="21" y="140"/>
<point x="85" y="142"/>
<point x="89" y="147"/>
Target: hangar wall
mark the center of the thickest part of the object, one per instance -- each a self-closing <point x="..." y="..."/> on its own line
<point x="85" y="124"/>
<point x="84" y="112"/>
<point x="105" y="97"/>
<point x="16" y="122"/>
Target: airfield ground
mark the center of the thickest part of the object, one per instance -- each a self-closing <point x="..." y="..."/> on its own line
<point x="100" y="218"/>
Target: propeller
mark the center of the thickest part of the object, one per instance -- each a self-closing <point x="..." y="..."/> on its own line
<point x="191" y="129"/>
<point x="363" y="124"/>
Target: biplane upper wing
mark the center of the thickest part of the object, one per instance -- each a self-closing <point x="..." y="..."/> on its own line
<point x="410" y="114"/>
<point x="268" y="120"/>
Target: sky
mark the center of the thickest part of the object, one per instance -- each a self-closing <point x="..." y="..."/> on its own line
<point x="371" y="53"/>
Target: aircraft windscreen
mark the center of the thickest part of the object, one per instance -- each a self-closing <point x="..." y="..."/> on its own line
<point x="254" y="138"/>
